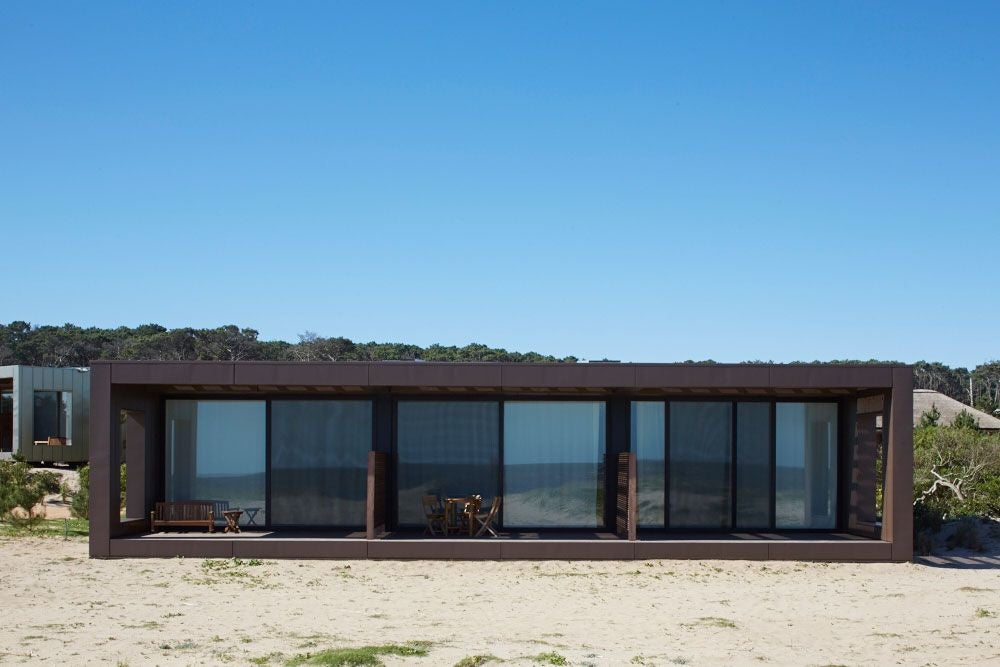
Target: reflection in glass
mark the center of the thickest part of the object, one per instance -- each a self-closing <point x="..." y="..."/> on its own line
<point x="700" y="460"/>
<point x="319" y="462"/>
<point x="445" y="449"/>
<point x="53" y="415"/>
<point x="806" y="465"/>
<point x="6" y="421"/>
<point x="648" y="443"/>
<point x="554" y="463"/>
<point x="753" y="465"/>
<point x="216" y="451"/>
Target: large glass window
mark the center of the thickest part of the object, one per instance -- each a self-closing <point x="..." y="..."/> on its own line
<point x="319" y="462"/>
<point x="648" y="443"/>
<point x="806" y="465"/>
<point x="53" y="415"/>
<point x="700" y="460"/>
<point x="554" y="463"/>
<point x="6" y="421"/>
<point x="753" y="465"/>
<point x="445" y="449"/>
<point x="216" y="451"/>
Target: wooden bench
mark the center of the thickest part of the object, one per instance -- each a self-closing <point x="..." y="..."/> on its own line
<point x="183" y="513"/>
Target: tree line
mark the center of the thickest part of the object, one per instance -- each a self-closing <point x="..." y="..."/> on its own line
<point x="71" y="345"/>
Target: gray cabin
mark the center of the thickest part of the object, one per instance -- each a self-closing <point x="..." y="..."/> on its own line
<point x="45" y="413"/>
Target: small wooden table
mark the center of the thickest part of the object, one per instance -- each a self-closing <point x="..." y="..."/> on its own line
<point x="455" y="506"/>
<point x="232" y="520"/>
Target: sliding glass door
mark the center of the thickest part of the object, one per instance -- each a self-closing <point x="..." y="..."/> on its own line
<point x="319" y="462"/>
<point x="744" y="465"/>
<point x="445" y="448"/>
<point x="554" y="464"/>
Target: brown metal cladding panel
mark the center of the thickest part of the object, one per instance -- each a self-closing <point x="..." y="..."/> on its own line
<point x="100" y="509"/>
<point x="433" y="549"/>
<point x="162" y="547"/>
<point x="728" y="550"/>
<point x="845" y="550"/>
<point x="423" y="374"/>
<point x="331" y="374"/>
<point x="701" y="376"/>
<point x="568" y="375"/>
<point x="567" y="549"/>
<point x="830" y="377"/>
<point x="898" y="503"/>
<point x="279" y="548"/>
<point x="189" y="373"/>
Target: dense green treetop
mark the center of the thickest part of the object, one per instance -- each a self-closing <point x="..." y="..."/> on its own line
<point x="70" y="345"/>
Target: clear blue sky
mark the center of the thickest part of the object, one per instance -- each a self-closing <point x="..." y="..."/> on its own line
<point x="647" y="182"/>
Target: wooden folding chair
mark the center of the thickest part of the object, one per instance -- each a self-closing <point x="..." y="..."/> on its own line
<point x="486" y="519"/>
<point x="434" y="515"/>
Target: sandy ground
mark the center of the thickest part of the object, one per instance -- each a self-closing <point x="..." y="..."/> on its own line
<point x="62" y="607"/>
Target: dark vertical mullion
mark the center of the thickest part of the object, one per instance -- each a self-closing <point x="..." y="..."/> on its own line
<point x="666" y="464"/>
<point x="774" y="464"/>
<point x="732" y="470"/>
<point x="393" y="510"/>
<point x="267" y="463"/>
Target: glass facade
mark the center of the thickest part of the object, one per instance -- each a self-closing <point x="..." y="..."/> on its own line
<point x="753" y="465"/>
<point x="554" y="463"/>
<point x="731" y="464"/>
<point x="53" y="415"/>
<point x="319" y="462"/>
<point x="649" y="443"/>
<point x="806" y="465"/>
<point x="700" y="460"/>
<point x="445" y="448"/>
<point x="215" y="450"/>
<point x="701" y="464"/>
<point x="6" y="421"/>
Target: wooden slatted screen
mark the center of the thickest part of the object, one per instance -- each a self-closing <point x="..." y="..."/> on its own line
<point x="861" y="518"/>
<point x="378" y="466"/>
<point x="625" y="501"/>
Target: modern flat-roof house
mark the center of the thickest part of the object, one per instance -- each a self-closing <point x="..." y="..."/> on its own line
<point x="599" y="460"/>
<point x="44" y="413"/>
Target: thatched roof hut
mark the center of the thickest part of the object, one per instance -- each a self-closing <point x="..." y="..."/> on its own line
<point x="925" y="399"/>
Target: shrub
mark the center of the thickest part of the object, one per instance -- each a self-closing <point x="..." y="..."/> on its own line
<point x="967" y="535"/>
<point x="121" y="480"/>
<point x="956" y="471"/>
<point x="80" y="502"/>
<point x="21" y="488"/>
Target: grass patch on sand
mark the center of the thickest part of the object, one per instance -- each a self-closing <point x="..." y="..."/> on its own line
<point x="48" y="528"/>
<point x="712" y="622"/>
<point x="477" y="660"/>
<point x="362" y="656"/>
<point x="550" y="658"/>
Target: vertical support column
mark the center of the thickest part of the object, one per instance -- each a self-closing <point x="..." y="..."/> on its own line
<point x="102" y="510"/>
<point x="897" y="515"/>
<point x="618" y="427"/>
<point x="384" y="426"/>
<point x="135" y="461"/>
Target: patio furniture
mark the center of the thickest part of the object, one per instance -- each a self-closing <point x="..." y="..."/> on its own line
<point x="459" y="512"/>
<point x="486" y="519"/>
<point x="251" y="513"/>
<point x="232" y="520"/>
<point x="188" y="513"/>
<point x="434" y="515"/>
